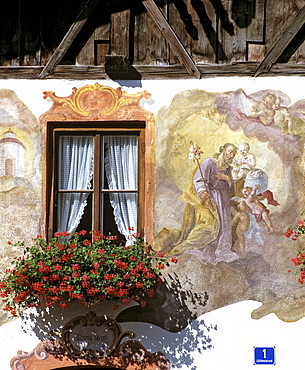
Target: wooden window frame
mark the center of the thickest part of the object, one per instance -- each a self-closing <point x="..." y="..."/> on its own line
<point x="79" y="127"/>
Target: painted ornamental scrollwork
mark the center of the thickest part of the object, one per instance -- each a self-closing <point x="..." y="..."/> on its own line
<point x="96" y="102"/>
<point x="130" y="355"/>
<point x="90" y="340"/>
<point x="40" y="353"/>
<point x="91" y="336"/>
<point x="95" y="99"/>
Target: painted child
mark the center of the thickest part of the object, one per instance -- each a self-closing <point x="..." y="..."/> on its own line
<point x="259" y="210"/>
<point x="245" y="162"/>
<point x="242" y="219"/>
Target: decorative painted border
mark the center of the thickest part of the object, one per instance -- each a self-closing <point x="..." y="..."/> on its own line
<point x="130" y="355"/>
<point x="103" y="103"/>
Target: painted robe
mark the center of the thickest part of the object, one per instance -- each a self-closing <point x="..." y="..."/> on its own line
<point x="206" y="228"/>
<point x="205" y="179"/>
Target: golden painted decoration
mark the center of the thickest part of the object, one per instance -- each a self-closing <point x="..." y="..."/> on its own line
<point x="95" y="98"/>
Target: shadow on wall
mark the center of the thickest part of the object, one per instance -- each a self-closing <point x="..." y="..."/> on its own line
<point x="172" y="307"/>
<point x="178" y="348"/>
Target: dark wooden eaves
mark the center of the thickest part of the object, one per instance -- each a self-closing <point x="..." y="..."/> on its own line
<point x="68" y="38"/>
<point x="278" y="48"/>
<point x="148" y="72"/>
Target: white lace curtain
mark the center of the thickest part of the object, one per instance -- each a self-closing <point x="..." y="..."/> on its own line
<point x="121" y="165"/>
<point x="76" y="171"/>
<point x="75" y="161"/>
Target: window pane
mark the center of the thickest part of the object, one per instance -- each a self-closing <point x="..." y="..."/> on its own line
<point x="75" y="162"/>
<point x="75" y="171"/>
<point x="86" y="220"/>
<point x="121" y="168"/>
<point x="70" y="210"/>
<point x="121" y="162"/>
<point x="109" y="225"/>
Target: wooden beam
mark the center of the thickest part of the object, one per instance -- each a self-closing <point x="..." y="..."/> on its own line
<point x="70" y="36"/>
<point x="299" y="3"/>
<point x="277" y="49"/>
<point x="170" y="36"/>
<point x="152" y="72"/>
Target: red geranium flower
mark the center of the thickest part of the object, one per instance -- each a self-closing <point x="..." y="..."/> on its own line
<point x="70" y="267"/>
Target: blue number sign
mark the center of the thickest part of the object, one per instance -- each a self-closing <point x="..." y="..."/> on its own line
<point x="264" y="355"/>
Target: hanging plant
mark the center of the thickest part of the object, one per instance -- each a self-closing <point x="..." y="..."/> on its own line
<point x="88" y="270"/>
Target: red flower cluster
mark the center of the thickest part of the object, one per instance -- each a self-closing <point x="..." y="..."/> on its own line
<point x="294" y="233"/>
<point x="296" y="261"/>
<point x="59" y="234"/>
<point x="70" y="268"/>
<point x="121" y="265"/>
<point x="291" y="233"/>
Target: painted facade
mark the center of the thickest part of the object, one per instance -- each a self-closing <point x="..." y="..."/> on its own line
<point x="239" y="281"/>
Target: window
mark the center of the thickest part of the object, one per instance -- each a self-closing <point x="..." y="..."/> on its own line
<point x="95" y="176"/>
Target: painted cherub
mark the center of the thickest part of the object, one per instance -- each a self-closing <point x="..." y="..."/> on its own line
<point x="259" y="210"/>
<point x="244" y="163"/>
<point x="242" y="220"/>
<point x="263" y="110"/>
<point x="282" y="116"/>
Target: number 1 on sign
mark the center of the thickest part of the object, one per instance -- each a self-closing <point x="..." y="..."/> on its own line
<point x="265" y="352"/>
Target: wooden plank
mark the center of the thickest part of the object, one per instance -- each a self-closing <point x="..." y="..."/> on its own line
<point x="98" y="40"/>
<point x="110" y="37"/>
<point x="299" y="3"/>
<point x="148" y="47"/>
<point x="57" y="16"/>
<point x="203" y="50"/>
<point x="295" y="51"/>
<point x="32" y="21"/>
<point x="240" y="22"/>
<point x="69" y="38"/>
<point x="276" y="23"/>
<point x="194" y="22"/>
<point x="256" y="52"/>
<point x="171" y="37"/>
<point x="87" y="54"/>
<point x="96" y="47"/>
<point x="179" y="71"/>
<point x="148" y="72"/>
<point x="101" y="50"/>
<point x="10" y="32"/>
<point x="282" y="43"/>
<point x="119" y="32"/>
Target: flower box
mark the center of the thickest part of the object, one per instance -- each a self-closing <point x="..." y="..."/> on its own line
<point x="88" y="268"/>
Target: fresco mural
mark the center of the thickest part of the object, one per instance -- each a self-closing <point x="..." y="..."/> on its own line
<point x="229" y="181"/>
<point x="20" y="176"/>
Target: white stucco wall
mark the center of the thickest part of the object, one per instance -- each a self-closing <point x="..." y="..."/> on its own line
<point x="231" y="338"/>
<point x="232" y="344"/>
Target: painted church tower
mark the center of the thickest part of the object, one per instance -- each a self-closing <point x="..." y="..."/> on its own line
<point x="12" y="155"/>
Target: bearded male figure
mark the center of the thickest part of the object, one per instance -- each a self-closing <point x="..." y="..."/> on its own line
<point x="207" y="228"/>
<point x="212" y="180"/>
